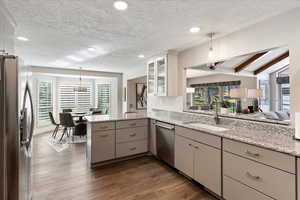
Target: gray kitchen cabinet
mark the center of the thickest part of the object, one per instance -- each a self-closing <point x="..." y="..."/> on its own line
<point x="184" y="155"/>
<point x="152" y="137"/>
<point x="207" y="167"/>
<point x="268" y="172"/>
<point x="200" y="162"/>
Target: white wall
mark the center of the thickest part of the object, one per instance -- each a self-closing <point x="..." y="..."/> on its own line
<point x="7" y="30"/>
<point x="132" y="74"/>
<point x="282" y="30"/>
<point x="131" y="93"/>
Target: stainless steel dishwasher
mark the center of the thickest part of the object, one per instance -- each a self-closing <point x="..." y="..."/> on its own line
<point x="165" y="140"/>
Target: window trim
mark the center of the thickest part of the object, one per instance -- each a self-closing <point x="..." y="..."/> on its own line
<point x="44" y="123"/>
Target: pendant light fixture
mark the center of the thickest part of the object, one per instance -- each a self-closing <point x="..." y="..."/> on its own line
<point x="211" y="49"/>
<point x="80" y="88"/>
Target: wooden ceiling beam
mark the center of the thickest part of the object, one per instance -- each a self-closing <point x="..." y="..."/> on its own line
<point x="272" y="62"/>
<point x="243" y="65"/>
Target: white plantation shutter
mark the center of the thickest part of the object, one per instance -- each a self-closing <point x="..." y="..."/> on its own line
<point x="70" y="99"/>
<point x="104" y="97"/>
<point x="45" y="101"/>
<point x="84" y="100"/>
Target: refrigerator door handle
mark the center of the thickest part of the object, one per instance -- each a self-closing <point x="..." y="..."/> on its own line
<point x="26" y="141"/>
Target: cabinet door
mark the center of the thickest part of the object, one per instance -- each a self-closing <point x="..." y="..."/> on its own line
<point x="151" y="78"/>
<point x="161" y="76"/>
<point x="153" y="138"/>
<point x="103" y="146"/>
<point x="207" y="167"/>
<point x="184" y="155"/>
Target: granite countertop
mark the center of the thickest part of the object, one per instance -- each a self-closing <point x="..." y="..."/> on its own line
<point x="273" y="141"/>
<point x="117" y="117"/>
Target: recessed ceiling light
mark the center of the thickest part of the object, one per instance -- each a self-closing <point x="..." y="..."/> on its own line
<point x="91" y="49"/>
<point x="120" y="5"/>
<point x="74" y="58"/>
<point x="141" y="56"/>
<point x="22" y="39"/>
<point x="194" y="29"/>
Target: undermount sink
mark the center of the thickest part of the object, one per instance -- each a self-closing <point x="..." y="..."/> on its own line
<point x="209" y="127"/>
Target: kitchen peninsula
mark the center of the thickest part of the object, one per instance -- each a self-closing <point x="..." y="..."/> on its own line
<point x="204" y="151"/>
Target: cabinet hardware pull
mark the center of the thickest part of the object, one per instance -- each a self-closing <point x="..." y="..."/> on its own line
<point x="133" y="124"/>
<point x="252" y="154"/>
<point x="132" y="149"/>
<point x="252" y="176"/>
<point x="132" y="135"/>
<point x="104" y="127"/>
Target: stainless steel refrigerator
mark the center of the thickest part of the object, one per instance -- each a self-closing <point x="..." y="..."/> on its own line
<point x="16" y="129"/>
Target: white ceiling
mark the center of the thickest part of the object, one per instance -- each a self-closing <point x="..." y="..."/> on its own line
<point x="228" y="66"/>
<point x="58" y="28"/>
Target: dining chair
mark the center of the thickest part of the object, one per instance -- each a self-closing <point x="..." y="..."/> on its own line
<point x="66" y="120"/>
<point x="57" y="125"/>
<point x="80" y="130"/>
<point x="67" y="110"/>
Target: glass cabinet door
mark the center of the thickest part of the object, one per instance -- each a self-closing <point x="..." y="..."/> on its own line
<point x="161" y="78"/>
<point x="151" y="78"/>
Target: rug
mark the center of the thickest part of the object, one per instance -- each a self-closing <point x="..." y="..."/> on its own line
<point x="61" y="145"/>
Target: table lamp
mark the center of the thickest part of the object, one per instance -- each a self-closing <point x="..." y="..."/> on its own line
<point x="238" y="93"/>
<point x="255" y="94"/>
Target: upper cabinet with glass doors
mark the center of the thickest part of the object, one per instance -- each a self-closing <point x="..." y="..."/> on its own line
<point x="162" y="75"/>
<point x="151" y="77"/>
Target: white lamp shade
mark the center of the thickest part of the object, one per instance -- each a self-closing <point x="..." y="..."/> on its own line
<point x="190" y="90"/>
<point x="238" y="93"/>
<point x="255" y="93"/>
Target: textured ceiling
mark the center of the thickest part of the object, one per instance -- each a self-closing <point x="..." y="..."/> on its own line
<point x="58" y="28"/>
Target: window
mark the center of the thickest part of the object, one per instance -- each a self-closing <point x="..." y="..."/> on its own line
<point x="71" y="99"/>
<point x="283" y="82"/>
<point x="45" y="102"/>
<point x="204" y="95"/>
<point x="285" y="97"/>
<point x="104" y="97"/>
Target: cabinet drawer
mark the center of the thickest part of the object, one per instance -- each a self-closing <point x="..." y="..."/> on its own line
<point x="132" y="123"/>
<point x="268" y="157"/>
<point x="199" y="136"/>
<point x="233" y="190"/>
<point x="103" y="147"/>
<point x="131" y="134"/>
<point x="131" y="148"/>
<point x="270" y="181"/>
<point x="103" y="126"/>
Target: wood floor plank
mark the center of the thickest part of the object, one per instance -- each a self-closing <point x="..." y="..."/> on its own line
<point x="65" y="176"/>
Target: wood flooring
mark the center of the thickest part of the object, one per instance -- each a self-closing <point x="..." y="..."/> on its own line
<point x="65" y="176"/>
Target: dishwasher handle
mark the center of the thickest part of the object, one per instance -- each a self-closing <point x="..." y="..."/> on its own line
<point x="164" y="125"/>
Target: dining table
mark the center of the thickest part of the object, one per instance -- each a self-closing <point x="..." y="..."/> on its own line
<point x="80" y="115"/>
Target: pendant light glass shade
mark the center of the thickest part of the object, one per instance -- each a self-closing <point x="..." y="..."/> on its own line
<point x="211" y="49"/>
